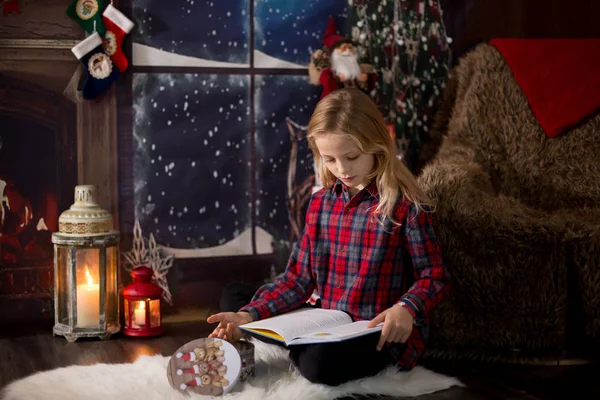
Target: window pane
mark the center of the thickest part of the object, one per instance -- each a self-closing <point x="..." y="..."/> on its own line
<point x="112" y="290"/>
<point x="279" y="98"/>
<point x="88" y="287"/>
<point x="154" y="313"/>
<point x="191" y="161"/>
<point x="126" y="306"/>
<point x="62" y="285"/>
<point x="139" y="314"/>
<point x="287" y="32"/>
<point x="191" y="33"/>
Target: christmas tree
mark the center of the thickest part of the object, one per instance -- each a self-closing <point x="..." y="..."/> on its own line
<point x="406" y="43"/>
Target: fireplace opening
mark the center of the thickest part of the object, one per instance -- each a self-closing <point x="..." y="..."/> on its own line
<point x="28" y="190"/>
<point x="38" y="170"/>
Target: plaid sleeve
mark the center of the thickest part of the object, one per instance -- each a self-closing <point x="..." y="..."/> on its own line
<point x="432" y="281"/>
<point x="294" y="287"/>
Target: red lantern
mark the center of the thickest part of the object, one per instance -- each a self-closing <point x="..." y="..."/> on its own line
<point x="142" y="305"/>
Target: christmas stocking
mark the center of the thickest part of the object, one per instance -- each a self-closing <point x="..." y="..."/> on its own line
<point x="88" y="14"/>
<point x="117" y="26"/>
<point x="10" y="6"/>
<point x="100" y="72"/>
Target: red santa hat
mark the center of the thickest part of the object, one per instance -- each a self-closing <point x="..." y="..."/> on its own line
<point x="330" y="37"/>
<point x="194" y="370"/>
<point x="191" y="356"/>
<point x="194" y="382"/>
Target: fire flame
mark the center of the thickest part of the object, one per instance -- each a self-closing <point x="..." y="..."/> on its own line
<point x="142" y="305"/>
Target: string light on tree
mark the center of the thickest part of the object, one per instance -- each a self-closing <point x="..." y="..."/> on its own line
<point x="406" y="43"/>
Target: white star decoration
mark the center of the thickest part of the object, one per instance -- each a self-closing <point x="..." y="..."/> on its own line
<point x="146" y="253"/>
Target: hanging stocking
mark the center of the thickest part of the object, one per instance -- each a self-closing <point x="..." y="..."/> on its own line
<point x="9" y="6"/>
<point x="86" y="12"/>
<point x="117" y="26"/>
<point x="100" y="73"/>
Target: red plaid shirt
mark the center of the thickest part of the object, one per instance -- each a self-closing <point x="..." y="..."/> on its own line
<point x="361" y="267"/>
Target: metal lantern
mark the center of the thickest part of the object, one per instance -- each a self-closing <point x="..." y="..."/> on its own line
<point x="86" y="257"/>
<point x="141" y="301"/>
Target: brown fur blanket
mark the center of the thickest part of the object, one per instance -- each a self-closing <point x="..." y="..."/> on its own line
<point x="518" y="218"/>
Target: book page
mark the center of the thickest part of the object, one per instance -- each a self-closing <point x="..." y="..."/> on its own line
<point x="300" y="322"/>
<point x="338" y="333"/>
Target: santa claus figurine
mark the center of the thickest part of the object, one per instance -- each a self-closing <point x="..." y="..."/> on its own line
<point x="336" y="65"/>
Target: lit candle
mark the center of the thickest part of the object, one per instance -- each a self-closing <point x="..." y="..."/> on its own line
<point x="88" y="302"/>
<point x="140" y="314"/>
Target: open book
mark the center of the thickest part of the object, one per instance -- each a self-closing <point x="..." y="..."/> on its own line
<point x="309" y="326"/>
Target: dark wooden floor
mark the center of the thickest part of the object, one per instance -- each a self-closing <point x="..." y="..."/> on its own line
<point x="23" y="353"/>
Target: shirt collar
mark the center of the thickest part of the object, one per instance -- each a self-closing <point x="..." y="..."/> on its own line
<point x="340" y="187"/>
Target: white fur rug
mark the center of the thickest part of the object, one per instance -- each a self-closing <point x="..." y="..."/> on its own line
<point x="276" y="379"/>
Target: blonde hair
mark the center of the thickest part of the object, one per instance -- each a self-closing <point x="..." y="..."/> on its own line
<point x="350" y="112"/>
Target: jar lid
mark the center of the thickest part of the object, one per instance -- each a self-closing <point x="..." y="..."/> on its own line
<point x="85" y="216"/>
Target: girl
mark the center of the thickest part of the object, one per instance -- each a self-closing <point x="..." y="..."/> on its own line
<point x="368" y="248"/>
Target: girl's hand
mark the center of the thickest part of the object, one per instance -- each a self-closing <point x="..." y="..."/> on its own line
<point x="397" y="325"/>
<point x="228" y="325"/>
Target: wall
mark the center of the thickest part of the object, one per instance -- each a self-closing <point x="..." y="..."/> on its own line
<point x="473" y="21"/>
<point x="35" y="47"/>
<point x="40" y="34"/>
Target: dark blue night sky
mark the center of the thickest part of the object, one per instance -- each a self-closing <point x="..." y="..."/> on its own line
<point x="277" y="98"/>
<point x="192" y="155"/>
<point x="292" y="30"/>
<point x="217" y="30"/>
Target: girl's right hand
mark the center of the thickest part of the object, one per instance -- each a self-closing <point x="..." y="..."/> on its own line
<point x="228" y="325"/>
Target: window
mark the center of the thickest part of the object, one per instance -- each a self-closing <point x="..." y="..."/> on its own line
<point x="217" y="87"/>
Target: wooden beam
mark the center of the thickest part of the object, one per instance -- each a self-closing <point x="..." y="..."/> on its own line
<point x="37" y="50"/>
<point x="97" y="148"/>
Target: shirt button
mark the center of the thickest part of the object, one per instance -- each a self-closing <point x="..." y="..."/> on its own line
<point x="342" y="249"/>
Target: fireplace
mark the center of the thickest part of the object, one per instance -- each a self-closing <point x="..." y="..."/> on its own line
<point x="38" y="170"/>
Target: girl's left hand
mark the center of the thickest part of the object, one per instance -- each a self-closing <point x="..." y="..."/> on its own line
<point x="397" y="325"/>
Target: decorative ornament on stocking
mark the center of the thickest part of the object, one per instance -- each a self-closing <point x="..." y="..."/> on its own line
<point x="9" y="6"/>
<point x="100" y="72"/>
<point x="88" y="14"/>
<point x="117" y="26"/>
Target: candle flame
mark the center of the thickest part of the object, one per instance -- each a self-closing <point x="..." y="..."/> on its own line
<point x="142" y="305"/>
<point x="90" y="281"/>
